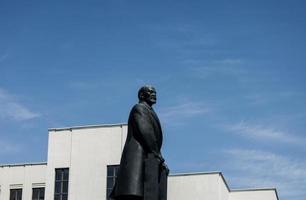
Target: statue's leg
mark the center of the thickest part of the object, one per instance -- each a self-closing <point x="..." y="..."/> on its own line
<point x="151" y="178"/>
<point x="163" y="184"/>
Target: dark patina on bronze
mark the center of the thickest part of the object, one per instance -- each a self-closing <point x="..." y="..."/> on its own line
<point x="143" y="173"/>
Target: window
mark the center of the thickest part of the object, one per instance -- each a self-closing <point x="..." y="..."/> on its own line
<point x="38" y="193"/>
<point x="61" y="184"/>
<point x="112" y="171"/>
<point x="16" y="194"/>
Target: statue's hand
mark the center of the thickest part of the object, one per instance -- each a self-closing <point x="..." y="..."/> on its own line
<point x="160" y="158"/>
<point x="165" y="167"/>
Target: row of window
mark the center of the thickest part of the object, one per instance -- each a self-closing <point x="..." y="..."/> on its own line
<point x="61" y="185"/>
<point x="60" y="190"/>
<point x="37" y="194"/>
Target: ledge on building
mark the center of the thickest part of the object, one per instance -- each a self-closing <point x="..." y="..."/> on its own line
<point x="87" y="126"/>
<point x="23" y="164"/>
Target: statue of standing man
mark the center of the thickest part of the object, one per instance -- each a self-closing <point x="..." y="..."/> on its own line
<point x="143" y="173"/>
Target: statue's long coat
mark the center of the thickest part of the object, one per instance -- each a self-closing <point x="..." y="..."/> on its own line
<point x="144" y="137"/>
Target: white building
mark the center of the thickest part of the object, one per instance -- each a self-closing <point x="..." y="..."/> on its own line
<point x="82" y="163"/>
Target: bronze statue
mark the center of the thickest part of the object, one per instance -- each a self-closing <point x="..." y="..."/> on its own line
<point x="143" y="173"/>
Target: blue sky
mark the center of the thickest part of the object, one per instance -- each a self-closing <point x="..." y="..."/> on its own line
<point x="230" y="80"/>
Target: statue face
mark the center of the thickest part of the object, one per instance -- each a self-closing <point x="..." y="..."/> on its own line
<point x="150" y="96"/>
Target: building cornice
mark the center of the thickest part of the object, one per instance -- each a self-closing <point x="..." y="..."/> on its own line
<point x="23" y="164"/>
<point x="87" y="127"/>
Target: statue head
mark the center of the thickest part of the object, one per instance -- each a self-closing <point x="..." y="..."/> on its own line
<point x="147" y="94"/>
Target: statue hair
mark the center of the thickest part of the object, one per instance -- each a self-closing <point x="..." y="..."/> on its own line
<point x="142" y="90"/>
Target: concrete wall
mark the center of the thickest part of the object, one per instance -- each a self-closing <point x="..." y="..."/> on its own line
<point x="196" y="186"/>
<point x="25" y="176"/>
<point x="223" y="188"/>
<point x="86" y="152"/>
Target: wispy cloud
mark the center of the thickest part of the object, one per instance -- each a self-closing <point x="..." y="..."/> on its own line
<point x="178" y="113"/>
<point x="263" y="133"/>
<point x="9" y="147"/>
<point x="215" y="65"/>
<point x="229" y="61"/>
<point x="266" y="169"/>
<point x="184" y="40"/>
<point x="83" y="85"/>
<point x="206" y="71"/>
<point x="11" y="109"/>
<point x="207" y="68"/>
<point x="260" y="98"/>
<point x="257" y="99"/>
<point x="3" y="57"/>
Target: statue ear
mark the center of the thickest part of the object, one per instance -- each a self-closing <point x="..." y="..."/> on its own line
<point x="142" y="96"/>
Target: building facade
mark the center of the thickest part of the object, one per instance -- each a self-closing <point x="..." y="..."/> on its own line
<point x="82" y="164"/>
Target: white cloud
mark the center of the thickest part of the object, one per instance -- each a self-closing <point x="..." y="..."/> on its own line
<point x="258" y="99"/>
<point x="191" y="39"/>
<point x="228" y="67"/>
<point x="220" y="66"/>
<point x="261" y="98"/>
<point x="83" y="85"/>
<point x="277" y="165"/>
<point x="11" y="109"/>
<point x="265" y="133"/>
<point x="3" y="57"/>
<point x="229" y="61"/>
<point x="182" y="111"/>
<point x="265" y="169"/>
<point x="8" y="147"/>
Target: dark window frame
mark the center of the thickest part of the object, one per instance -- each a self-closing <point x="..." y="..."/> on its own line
<point x="111" y="175"/>
<point x="40" y="195"/>
<point x="61" y="184"/>
<point x="16" y="194"/>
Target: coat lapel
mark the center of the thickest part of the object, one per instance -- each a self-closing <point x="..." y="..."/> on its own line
<point x="156" y="122"/>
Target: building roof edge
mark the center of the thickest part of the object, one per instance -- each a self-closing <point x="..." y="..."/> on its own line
<point x="251" y="189"/>
<point x="23" y="164"/>
<point x="194" y="173"/>
<point x="86" y="126"/>
<point x="256" y="189"/>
